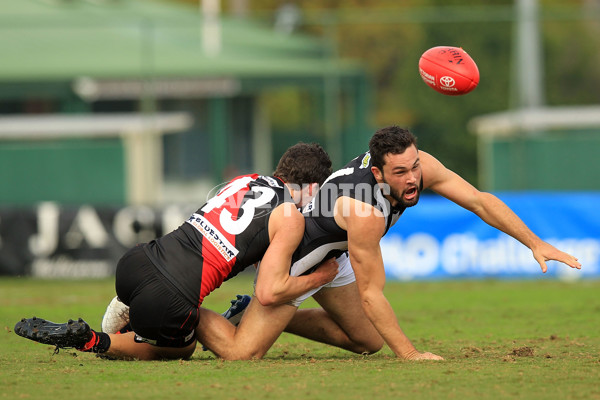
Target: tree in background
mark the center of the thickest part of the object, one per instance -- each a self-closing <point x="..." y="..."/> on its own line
<point x="389" y="36"/>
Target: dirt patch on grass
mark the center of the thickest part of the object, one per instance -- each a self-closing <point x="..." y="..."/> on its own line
<point x="471" y="351"/>
<point x="524" y="351"/>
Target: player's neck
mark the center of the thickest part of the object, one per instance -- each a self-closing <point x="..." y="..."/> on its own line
<point x="294" y="194"/>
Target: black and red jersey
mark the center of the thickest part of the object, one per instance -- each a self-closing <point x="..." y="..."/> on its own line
<point x="222" y="238"/>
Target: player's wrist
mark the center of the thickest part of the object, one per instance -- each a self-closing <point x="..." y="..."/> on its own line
<point x="318" y="281"/>
<point x="408" y="354"/>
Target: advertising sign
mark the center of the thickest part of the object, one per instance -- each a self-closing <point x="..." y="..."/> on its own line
<point x="437" y="239"/>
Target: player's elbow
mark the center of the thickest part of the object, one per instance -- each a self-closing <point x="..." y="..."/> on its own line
<point x="369" y="300"/>
<point x="266" y="297"/>
<point x="266" y="301"/>
<point x="366" y="302"/>
<point x="482" y="202"/>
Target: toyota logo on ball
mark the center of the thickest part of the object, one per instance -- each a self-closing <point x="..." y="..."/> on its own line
<point x="447" y="81"/>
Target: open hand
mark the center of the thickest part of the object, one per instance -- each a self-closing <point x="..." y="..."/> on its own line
<point x="545" y="252"/>
<point x="416" y="356"/>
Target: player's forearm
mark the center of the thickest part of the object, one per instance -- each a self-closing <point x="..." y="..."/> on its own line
<point x="284" y="290"/>
<point x="382" y="316"/>
<point x="494" y="212"/>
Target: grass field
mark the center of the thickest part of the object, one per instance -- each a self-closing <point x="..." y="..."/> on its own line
<point x="501" y="339"/>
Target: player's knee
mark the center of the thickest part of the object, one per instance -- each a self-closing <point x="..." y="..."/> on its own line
<point x="189" y="352"/>
<point x="369" y="345"/>
<point x="171" y="353"/>
<point x="237" y="354"/>
<point x="242" y="357"/>
<point x="373" y="347"/>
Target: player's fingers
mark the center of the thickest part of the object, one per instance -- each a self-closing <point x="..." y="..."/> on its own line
<point x="430" y="356"/>
<point x="568" y="259"/>
<point x="331" y="261"/>
<point x="542" y="262"/>
<point x="573" y="262"/>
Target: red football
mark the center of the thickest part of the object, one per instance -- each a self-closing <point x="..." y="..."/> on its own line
<point x="449" y="70"/>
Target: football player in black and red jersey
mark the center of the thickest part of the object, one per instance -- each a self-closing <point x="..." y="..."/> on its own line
<point x="164" y="282"/>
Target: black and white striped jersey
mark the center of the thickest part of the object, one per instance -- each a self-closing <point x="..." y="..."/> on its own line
<point x="323" y="238"/>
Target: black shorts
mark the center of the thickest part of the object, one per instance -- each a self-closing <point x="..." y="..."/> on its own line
<point x="158" y="313"/>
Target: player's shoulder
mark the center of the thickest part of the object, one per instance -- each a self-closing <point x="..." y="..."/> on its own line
<point x="428" y="159"/>
<point x="361" y="162"/>
<point x="287" y="218"/>
<point x="356" y="171"/>
<point x="261" y="180"/>
<point x="271" y="181"/>
<point x="287" y="211"/>
<point x="433" y="170"/>
<point x="269" y="184"/>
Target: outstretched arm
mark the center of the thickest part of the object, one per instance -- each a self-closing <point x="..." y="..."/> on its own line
<point x="490" y="209"/>
<point x="274" y="285"/>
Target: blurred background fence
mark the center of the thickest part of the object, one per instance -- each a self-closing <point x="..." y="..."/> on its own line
<point x="117" y="117"/>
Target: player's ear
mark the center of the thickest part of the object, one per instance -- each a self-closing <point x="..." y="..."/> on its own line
<point x="377" y="173"/>
<point x="309" y="190"/>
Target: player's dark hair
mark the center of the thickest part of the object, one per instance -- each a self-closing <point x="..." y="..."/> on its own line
<point x="391" y="139"/>
<point x="304" y="163"/>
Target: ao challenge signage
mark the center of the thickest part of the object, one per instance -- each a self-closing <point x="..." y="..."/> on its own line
<point x="438" y="239"/>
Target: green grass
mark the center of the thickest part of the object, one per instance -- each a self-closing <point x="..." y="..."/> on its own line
<point x="501" y="339"/>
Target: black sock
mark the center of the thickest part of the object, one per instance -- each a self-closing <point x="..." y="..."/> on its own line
<point x="126" y="328"/>
<point x="99" y="343"/>
<point x="102" y="344"/>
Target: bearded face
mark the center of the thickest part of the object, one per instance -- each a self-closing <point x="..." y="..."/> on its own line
<point x="408" y="197"/>
<point x="401" y="177"/>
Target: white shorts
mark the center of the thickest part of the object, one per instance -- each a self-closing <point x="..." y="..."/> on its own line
<point x="344" y="277"/>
